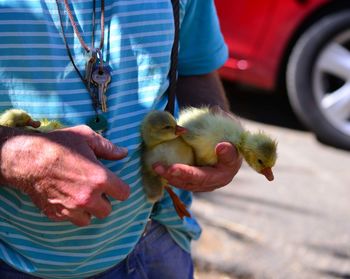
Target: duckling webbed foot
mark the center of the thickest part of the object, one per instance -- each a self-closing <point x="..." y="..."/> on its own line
<point x="180" y="208"/>
<point x="33" y="123"/>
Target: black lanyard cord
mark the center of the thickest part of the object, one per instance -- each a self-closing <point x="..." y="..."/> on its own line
<point x="174" y="59"/>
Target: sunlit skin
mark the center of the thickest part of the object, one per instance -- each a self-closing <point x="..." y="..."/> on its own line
<point x="81" y="192"/>
<point x="209" y="126"/>
<point x="163" y="144"/>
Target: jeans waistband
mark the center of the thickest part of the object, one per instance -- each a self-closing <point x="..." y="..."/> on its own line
<point x="152" y="230"/>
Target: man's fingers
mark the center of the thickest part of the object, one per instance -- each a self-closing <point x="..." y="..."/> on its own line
<point x="197" y="179"/>
<point x="105" y="149"/>
<point x="204" y="178"/>
<point x="101" y="208"/>
<point x="184" y="176"/>
<point x="116" y="188"/>
<point x="77" y="217"/>
<point x="102" y="147"/>
<point x="54" y="213"/>
<point x="228" y="155"/>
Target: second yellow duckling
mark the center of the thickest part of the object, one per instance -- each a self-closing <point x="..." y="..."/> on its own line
<point x="209" y="126"/>
<point x="49" y="125"/>
<point x="21" y="119"/>
<point x="17" y="118"/>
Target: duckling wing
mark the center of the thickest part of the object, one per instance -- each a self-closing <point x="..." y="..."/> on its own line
<point x="205" y="130"/>
<point x="167" y="153"/>
<point x="170" y="152"/>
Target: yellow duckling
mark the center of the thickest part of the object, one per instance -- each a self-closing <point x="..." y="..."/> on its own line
<point x="49" y="125"/>
<point x="17" y="118"/>
<point x="21" y="119"/>
<point x="209" y="126"/>
<point x="161" y="143"/>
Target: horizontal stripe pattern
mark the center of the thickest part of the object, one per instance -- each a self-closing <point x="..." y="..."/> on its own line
<point x="37" y="75"/>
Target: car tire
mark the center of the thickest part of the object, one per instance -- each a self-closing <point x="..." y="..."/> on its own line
<point x="309" y="85"/>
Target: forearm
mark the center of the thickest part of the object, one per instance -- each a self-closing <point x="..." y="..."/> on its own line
<point x="201" y="90"/>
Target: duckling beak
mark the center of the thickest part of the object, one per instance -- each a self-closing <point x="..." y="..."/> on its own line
<point x="267" y="172"/>
<point x="179" y="130"/>
<point x="34" y="124"/>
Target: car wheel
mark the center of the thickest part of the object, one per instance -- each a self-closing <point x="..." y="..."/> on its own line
<point x="318" y="79"/>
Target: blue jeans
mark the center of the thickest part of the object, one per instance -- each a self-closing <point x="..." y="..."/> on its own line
<point x="155" y="256"/>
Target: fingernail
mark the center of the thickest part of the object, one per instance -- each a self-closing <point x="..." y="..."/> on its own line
<point x="159" y="169"/>
<point x="121" y="150"/>
<point x="126" y="192"/>
<point x="222" y="150"/>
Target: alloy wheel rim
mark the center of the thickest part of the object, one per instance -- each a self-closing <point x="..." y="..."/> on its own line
<point x="331" y="82"/>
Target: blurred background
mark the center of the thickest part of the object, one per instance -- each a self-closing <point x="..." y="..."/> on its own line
<point x="289" y="75"/>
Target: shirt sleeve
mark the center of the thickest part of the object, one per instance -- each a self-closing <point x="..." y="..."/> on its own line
<point x="202" y="46"/>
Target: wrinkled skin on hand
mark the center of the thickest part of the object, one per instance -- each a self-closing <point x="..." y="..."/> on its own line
<point x="204" y="179"/>
<point x="61" y="173"/>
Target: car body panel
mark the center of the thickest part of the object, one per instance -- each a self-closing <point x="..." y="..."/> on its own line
<point x="257" y="33"/>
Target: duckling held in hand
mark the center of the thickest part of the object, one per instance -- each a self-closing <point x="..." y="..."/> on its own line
<point x="21" y="119"/>
<point x="162" y="144"/>
<point x="17" y="118"/>
<point x="49" y="125"/>
<point x="206" y="127"/>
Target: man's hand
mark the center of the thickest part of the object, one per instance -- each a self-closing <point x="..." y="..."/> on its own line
<point x="61" y="173"/>
<point x="204" y="179"/>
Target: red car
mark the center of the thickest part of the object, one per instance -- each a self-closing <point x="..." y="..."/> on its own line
<point x="302" y="46"/>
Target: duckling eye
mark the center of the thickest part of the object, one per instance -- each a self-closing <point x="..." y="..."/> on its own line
<point x="167" y="127"/>
<point x="260" y="162"/>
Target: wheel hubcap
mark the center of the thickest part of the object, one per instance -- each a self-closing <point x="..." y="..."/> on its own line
<point x="331" y="82"/>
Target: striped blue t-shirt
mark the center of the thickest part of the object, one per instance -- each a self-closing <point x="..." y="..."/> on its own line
<point x="37" y="75"/>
